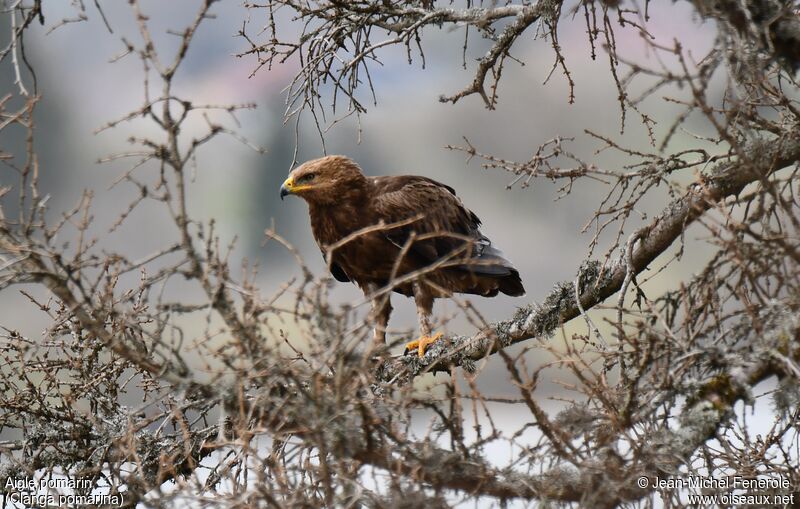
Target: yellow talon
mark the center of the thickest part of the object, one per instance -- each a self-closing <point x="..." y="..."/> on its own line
<point x="422" y="343"/>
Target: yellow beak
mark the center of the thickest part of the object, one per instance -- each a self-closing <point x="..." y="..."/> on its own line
<point x="290" y="187"/>
<point x="286" y="187"/>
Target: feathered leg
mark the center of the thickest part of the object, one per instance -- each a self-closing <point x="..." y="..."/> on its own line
<point x="424" y="302"/>
<point x="379" y="315"/>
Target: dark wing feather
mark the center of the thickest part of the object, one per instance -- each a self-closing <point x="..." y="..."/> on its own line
<point x="441" y="211"/>
<point x="401" y="198"/>
<point x="339" y="273"/>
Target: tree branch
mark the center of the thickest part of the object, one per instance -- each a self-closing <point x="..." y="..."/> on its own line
<point x="773" y="26"/>
<point x="756" y="161"/>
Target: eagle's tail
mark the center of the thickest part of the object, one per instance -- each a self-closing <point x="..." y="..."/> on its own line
<point x="492" y="263"/>
<point x="512" y="284"/>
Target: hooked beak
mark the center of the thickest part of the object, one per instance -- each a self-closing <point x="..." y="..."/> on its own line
<point x="286" y="187"/>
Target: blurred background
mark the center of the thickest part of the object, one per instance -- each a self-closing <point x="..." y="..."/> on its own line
<point x="404" y="133"/>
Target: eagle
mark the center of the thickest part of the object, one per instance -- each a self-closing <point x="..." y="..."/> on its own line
<point x="407" y="234"/>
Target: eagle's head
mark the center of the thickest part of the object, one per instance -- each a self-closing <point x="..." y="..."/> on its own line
<point x="325" y="181"/>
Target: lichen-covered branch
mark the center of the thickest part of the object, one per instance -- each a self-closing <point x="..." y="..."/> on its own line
<point x="182" y="376"/>
<point x="757" y="161"/>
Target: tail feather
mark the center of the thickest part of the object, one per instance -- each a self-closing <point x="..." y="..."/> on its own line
<point x="512" y="284"/>
<point x="491" y="262"/>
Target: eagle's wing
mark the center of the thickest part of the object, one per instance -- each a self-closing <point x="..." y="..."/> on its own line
<point x="338" y="272"/>
<point x="441" y="215"/>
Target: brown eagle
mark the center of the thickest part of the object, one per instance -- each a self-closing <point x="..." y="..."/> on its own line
<point x="408" y="234"/>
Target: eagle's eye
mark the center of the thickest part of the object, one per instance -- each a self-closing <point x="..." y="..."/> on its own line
<point x="308" y="177"/>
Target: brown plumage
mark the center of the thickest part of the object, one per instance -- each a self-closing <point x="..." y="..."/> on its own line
<point x="415" y="234"/>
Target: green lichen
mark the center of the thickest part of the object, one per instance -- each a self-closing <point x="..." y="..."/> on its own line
<point x="720" y="391"/>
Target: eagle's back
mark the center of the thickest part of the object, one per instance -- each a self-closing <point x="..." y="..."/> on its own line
<point x="439" y="229"/>
<point x="443" y="229"/>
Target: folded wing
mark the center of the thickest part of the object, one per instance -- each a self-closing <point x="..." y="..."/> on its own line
<point x="442" y="228"/>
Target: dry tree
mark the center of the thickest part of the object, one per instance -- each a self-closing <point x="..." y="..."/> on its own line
<point x="662" y="386"/>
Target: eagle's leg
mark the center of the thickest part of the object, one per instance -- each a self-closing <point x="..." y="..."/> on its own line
<point x="379" y="315"/>
<point x="424" y="302"/>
